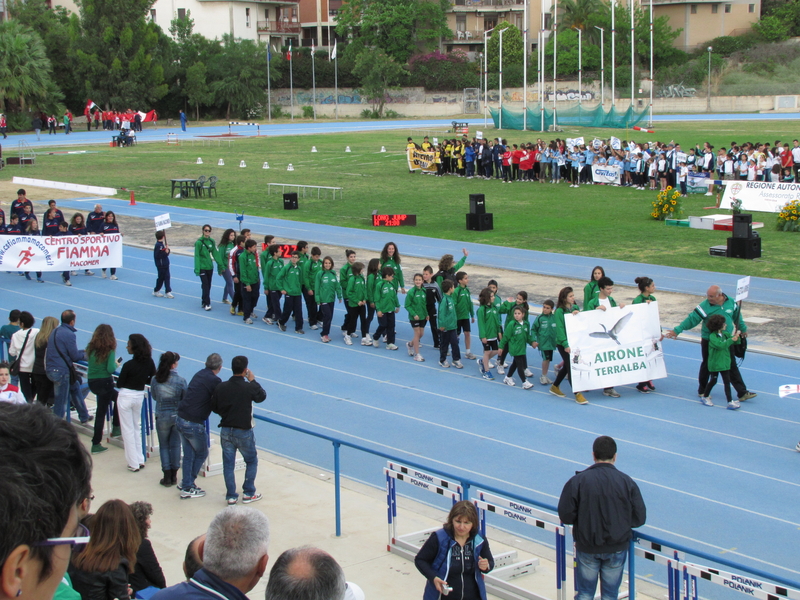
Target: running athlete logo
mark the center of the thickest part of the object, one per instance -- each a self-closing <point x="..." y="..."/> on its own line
<point x="26" y="256"/>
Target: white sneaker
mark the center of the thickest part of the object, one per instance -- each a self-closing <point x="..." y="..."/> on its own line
<point x="470" y="356"/>
<point x="248" y="321"/>
<point x="347" y="340"/>
<point x="527" y="385"/>
<point x="113" y="278"/>
<point x="313" y="326"/>
<point x="170" y="296"/>
<point x="444" y="364"/>
<point x="508" y="381"/>
<point x="528" y="373"/>
<point x="104" y="275"/>
<point x="419" y="358"/>
<point x="207" y="307"/>
<point x="457" y="364"/>
<point x="545" y="380"/>
<point x="158" y="294"/>
<point x="67" y="282"/>
<point x="375" y="343"/>
<point x="366" y="342"/>
<point x="391" y="347"/>
<point x="410" y="349"/>
<point x="73" y="273"/>
<point x="500" y="369"/>
<point x="88" y="273"/>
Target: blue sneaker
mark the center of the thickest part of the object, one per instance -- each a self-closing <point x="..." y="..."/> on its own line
<point x="488" y="375"/>
<point x="480" y="366"/>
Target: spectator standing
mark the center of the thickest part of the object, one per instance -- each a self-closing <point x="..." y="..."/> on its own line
<point x="22" y="348"/>
<point x="133" y="378"/>
<point x="183" y="121"/>
<point x="602" y="504"/>
<point x="233" y="402"/>
<point x="36" y="123"/>
<point x="193" y="411"/>
<point x="168" y="389"/>
<point x="101" y="355"/>
<point x="62" y="352"/>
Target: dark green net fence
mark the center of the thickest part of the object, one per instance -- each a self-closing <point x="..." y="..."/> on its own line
<point x="575" y="116"/>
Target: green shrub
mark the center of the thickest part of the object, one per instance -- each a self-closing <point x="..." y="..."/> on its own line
<point x="277" y="112"/>
<point x="308" y="112"/>
<point x="443" y="72"/>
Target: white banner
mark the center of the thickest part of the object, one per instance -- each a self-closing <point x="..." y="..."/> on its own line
<point x="615" y="143"/>
<point x="163" y="222"/>
<point x="60" y="253"/>
<point x="760" y="196"/>
<point x="615" y="347"/>
<point x="605" y="174"/>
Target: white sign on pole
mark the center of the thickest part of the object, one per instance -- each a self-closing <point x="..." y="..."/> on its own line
<point x="479" y="135"/>
<point x="435" y="141"/>
<point x="616" y="144"/>
<point x="163" y="222"/>
<point x="681" y="156"/>
<point x="579" y="141"/>
<point x="742" y="288"/>
<point x="615" y="346"/>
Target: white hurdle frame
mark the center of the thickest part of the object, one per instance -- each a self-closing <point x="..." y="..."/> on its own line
<point x="498" y="581"/>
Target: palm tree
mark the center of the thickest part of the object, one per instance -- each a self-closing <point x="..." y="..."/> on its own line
<point x="25" y="71"/>
<point x="577" y="13"/>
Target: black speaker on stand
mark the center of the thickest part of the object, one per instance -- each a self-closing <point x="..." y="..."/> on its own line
<point x="740" y="247"/>
<point x="478" y="219"/>
<point x="743" y="226"/>
<point x="477" y="204"/>
<point x="290" y="201"/>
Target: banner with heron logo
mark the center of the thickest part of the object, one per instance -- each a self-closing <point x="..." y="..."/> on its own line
<point x="616" y="346"/>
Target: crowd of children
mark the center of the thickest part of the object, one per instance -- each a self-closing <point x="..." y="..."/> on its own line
<point x="646" y="165"/>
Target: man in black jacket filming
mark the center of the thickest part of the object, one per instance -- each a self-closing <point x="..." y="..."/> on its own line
<point x="602" y="504"/>
<point x="233" y="401"/>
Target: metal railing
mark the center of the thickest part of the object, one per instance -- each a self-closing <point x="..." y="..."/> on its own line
<point x="680" y="569"/>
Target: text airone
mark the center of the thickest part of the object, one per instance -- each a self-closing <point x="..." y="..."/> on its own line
<point x="621" y="354"/>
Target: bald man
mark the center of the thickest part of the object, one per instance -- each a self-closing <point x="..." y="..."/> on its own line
<point x="306" y="573"/>
<point x="94" y="220"/>
<point x="716" y="303"/>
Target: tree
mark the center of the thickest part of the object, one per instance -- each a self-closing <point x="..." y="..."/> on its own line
<point x="513" y="47"/>
<point x="196" y="88"/>
<point x="118" y="53"/>
<point x="25" y="78"/>
<point x="398" y="27"/>
<point x="239" y="75"/>
<point x="579" y="13"/>
<point x="378" y="73"/>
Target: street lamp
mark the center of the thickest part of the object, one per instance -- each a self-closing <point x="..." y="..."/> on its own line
<point x="580" y="64"/>
<point x="500" y="82"/>
<point x="708" y="99"/>
<point x="602" y="67"/>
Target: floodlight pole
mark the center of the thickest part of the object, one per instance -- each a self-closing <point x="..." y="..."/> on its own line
<point x="500" y="83"/>
<point x="652" y="83"/>
<point x="613" y="56"/>
<point x="580" y="65"/>
<point x="486" y="77"/>
<point x="602" y="64"/>
<point x="708" y="99"/>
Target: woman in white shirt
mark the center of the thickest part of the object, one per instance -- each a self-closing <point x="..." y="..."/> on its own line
<point x="22" y="346"/>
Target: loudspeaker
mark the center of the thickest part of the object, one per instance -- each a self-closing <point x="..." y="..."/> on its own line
<point x="290" y="201"/>
<point x="742" y="226"/>
<point x="748" y="248"/>
<point x="477" y="204"/>
<point x="481" y="222"/>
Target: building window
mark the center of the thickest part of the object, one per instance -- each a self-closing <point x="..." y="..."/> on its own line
<point x="461" y="22"/>
<point x="294" y="14"/>
<point x="694" y="9"/>
<point x="153" y="15"/>
<point x="548" y="20"/>
<point x="727" y="8"/>
<point x="714" y="9"/>
<point x="247" y="17"/>
<point x="751" y="8"/>
<point x="181" y="13"/>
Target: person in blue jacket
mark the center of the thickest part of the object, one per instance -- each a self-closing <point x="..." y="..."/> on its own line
<point x="456" y="557"/>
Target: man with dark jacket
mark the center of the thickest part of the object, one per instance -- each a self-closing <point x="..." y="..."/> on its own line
<point x="603" y="505"/>
<point x="193" y="411"/>
<point x="233" y="401"/>
<point x="62" y="352"/>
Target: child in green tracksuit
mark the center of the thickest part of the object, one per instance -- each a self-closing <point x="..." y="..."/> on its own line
<point x="719" y="359"/>
<point x="344" y="278"/>
<point x="311" y="267"/>
<point x="417" y="306"/>
<point x="373" y="279"/>
<point x="465" y="312"/>
<point x="603" y="301"/>
<point x="488" y="330"/>
<point x="356" y="296"/>
<point x="543" y="331"/>
<point x="290" y="283"/>
<point x="248" y="276"/>
<point x="448" y="323"/>
<point x="386" y="305"/>
<point x="326" y="290"/>
<point x="507" y="308"/>
<point x="517" y="337"/>
<point x="270" y="269"/>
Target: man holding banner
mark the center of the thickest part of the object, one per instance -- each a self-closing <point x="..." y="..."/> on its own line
<point x="716" y="303"/>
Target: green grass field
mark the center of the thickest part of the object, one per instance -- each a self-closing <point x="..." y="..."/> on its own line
<point x="600" y="221"/>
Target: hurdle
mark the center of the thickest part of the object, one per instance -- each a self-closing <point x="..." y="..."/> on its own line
<point x="257" y="125"/>
<point x="498" y="581"/>
<point x="409" y="544"/>
<point x="682" y="576"/>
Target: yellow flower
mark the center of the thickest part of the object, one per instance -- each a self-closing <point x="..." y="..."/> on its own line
<point x="674" y="202"/>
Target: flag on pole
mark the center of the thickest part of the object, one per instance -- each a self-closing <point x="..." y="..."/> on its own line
<point x="289" y="53"/>
<point x="269" y="54"/>
<point x="312" y="48"/>
<point x="89" y="106"/>
<point x="333" y="53"/>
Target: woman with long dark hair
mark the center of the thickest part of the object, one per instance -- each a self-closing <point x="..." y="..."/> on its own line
<point x="390" y="257"/>
<point x="110" y="227"/>
<point x="101" y="355"/>
<point x="148" y="572"/>
<point x="226" y="244"/>
<point x="100" y="571"/>
<point x="133" y="378"/>
<point x="566" y="304"/>
<point x="168" y="389"/>
<point x="41" y="382"/>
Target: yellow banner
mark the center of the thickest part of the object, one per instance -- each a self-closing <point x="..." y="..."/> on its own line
<point x="418" y="159"/>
